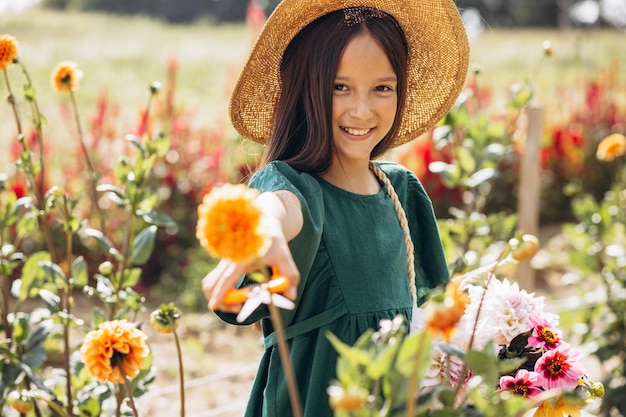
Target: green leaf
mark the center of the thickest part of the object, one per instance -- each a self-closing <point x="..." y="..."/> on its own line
<point x="8" y="212"/>
<point x="135" y="140"/>
<point x="21" y="327"/>
<point x="131" y="277"/>
<point x="159" y="145"/>
<point x="449" y="173"/>
<point x="80" y="274"/>
<point x="99" y="316"/>
<point x="142" y="246"/>
<point x="480" y="177"/>
<point x="34" y="377"/>
<point x="54" y="273"/>
<point x="33" y="275"/>
<point x="52" y="301"/>
<point x="353" y="355"/>
<point x="415" y="347"/>
<point x="91" y="407"/>
<point x="465" y="159"/>
<point x="100" y="239"/>
<point x="383" y="362"/>
<point x="27" y="224"/>
<point x="156" y="218"/>
<point x="484" y="363"/>
<point x="114" y="193"/>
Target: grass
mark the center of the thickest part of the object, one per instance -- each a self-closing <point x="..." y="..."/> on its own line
<point x="123" y="55"/>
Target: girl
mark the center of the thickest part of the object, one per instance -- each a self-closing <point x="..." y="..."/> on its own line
<point x="329" y="86"/>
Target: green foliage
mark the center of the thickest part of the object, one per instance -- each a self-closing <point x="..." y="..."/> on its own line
<point x="596" y="253"/>
<point x="40" y="261"/>
<point x="386" y="366"/>
<point x="478" y="150"/>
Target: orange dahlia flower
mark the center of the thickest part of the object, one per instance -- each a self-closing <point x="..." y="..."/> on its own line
<point x="231" y="224"/>
<point x="8" y="51"/>
<point x="611" y="147"/>
<point x="442" y="315"/>
<point x="113" y="345"/>
<point x="65" y="77"/>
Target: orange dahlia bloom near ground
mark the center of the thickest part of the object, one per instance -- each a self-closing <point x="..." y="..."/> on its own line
<point x="231" y="224"/>
<point x="115" y="343"/>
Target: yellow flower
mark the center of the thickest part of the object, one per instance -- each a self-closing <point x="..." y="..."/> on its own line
<point x="65" y="77"/>
<point x="231" y="224"/>
<point x="8" y="51"/>
<point x="611" y="147"/>
<point x="115" y="344"/>
<point x="560" y="407"/>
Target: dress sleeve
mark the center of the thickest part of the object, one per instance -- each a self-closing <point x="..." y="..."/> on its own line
<point x="280" y="176"/>
<point x="431" y="268"/>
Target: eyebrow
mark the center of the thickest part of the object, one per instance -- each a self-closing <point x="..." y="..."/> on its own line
<point x="391" y="78"/>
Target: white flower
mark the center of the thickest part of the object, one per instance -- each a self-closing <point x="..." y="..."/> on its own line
<point x="505" y="312"/>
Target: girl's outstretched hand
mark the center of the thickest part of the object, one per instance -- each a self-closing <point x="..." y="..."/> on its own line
<point x="284" y="208"/>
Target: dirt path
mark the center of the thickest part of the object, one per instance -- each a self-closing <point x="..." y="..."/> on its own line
<point x="219" y="362"/>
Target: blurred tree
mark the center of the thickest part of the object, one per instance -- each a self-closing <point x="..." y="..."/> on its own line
<point x="180" y="11"/>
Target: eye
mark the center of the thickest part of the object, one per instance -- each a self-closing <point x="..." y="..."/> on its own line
<point x="384" y="88"/>
<point x="340" y="87"/>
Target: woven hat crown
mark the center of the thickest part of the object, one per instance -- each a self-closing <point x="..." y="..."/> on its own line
<point x="437" y="67"/>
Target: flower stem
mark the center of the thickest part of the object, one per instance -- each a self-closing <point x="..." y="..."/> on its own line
<point x="180" y="369"/>
<point x="129" y="391"/>
<point x="67" y="309"/>
<point x="412" y="397"/>
<point x="283" y="351"/>
<point x="11" y="100"/>
<point x="93" y="179"/>
<point x="38" y="121"/>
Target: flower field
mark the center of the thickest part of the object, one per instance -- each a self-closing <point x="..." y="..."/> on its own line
<point x="114" y="140"/>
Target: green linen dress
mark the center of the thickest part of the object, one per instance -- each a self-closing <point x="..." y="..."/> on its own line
<point x="353" y="265"/>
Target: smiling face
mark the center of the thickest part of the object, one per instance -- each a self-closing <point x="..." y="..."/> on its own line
<point x="365" y="99"/>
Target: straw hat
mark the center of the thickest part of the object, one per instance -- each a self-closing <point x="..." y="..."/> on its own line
<point x="438" y="60"/>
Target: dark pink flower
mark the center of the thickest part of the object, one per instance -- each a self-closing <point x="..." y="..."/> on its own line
<point x="544" y="334"/>
<point x="559" y="368"/>
<point x="525" y="383"/>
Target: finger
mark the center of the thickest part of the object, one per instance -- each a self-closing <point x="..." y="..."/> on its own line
<point x="287" y="267"/>
<point x="227" y="308"/>
<point x="210" y="280"/>
<point x="228" y="278"/>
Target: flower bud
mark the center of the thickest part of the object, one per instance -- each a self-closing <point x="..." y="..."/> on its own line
<point x="350" y="400"/>
<point x="524" y="247"/>
<point x="597" y="388"/>
<point x="165" y="318"/>
<point x="547" y="48"/>
<point x="21" y="403"/>
<point x="155" y="87"/>
<point x="105" y="268"/>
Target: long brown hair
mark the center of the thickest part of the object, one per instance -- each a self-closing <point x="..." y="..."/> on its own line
<point x="302" y="134"/>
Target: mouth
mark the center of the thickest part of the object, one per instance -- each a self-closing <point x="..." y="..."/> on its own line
<point x="356" y="132"/>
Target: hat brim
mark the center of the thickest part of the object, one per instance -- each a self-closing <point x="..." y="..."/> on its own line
<point x="438" y="61"/>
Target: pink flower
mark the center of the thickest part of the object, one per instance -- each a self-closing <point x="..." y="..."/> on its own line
<point x="544" y="334"/>
<point x="559" y="368"/>
<point x="525" y="383"/>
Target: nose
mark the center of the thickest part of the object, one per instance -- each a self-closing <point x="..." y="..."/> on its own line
<point x="361" y="107"/>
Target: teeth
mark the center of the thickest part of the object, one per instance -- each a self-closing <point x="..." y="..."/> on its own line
<point x="356" y="132"/>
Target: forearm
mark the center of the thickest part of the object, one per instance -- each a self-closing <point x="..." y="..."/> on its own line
<point x="283" y="206"/>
